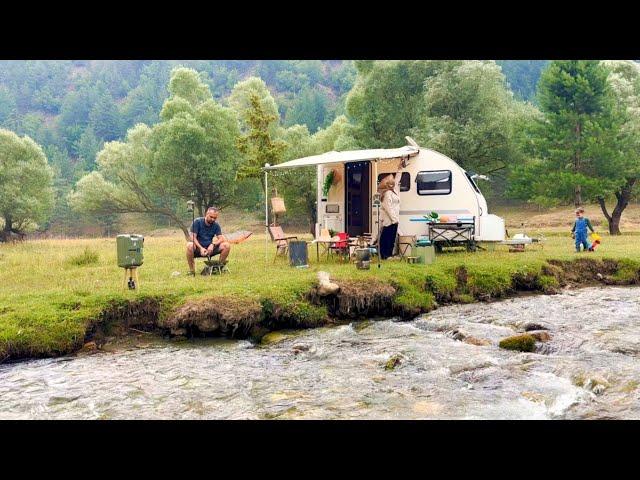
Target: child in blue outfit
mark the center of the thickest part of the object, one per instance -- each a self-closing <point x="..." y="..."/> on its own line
<point x="579" y="230"/>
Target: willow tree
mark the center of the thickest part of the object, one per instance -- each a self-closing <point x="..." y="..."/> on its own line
<point x="26" y="184"/>
<point x="387" y="100"/>
<point x="124" y="182"/>
<point x="195" y="151"/>
<point x="472" y="116"/>
<point x="190" y="154"/>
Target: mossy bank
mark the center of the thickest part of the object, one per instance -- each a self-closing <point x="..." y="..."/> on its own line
<point x="51" y="305"/>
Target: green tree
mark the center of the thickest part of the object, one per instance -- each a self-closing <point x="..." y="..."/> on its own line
<point x="240" y="101"/>
<point x="87" y="147"/>
<point x="471" y="116"/>
<point x="7" y="105"/>
<point x="310" y="108"/>
<point x="258" y="145"/>
<point x="124" y="182"/>
<point x="573" y="138"/>
<point x="191" y="153"/>
<point x="622" y="169"/>
<point x="104" y="118"/>
<point x="195" y="151"/>
<point x="26" y="194"/>
<point x="298" y="185"/>
<point x="387" y="100"/>
<point x="522" y="76"/>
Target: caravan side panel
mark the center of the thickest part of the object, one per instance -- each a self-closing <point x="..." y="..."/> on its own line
<point x="461" y="200"/>
<point x="331" y="209"/>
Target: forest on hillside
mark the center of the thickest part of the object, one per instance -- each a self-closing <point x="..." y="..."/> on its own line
<point x="503" y="118"/>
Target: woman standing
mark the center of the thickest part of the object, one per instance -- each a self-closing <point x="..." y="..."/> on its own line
<point x="389" y="191"/>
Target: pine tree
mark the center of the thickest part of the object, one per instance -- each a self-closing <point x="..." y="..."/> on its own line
<point x="577" y="104"/>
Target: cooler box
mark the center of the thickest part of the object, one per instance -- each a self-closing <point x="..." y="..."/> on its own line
<point x="298" y="253"/>
<point x="129" y="250"/>
<point x="492" y="228"/>
<point x="426" y="255"/>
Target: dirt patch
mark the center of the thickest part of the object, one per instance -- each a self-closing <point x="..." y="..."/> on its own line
<point x="121" y="317"/>
<point x="357" y="299"/>
<point x="222" y="315"/>
<point x="527" y="282"/>
<point x="585" y="271"/>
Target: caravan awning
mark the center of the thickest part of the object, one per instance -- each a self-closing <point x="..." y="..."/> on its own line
<point x="347" y="157"/>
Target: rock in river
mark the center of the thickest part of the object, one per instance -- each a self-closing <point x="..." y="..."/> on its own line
<point x="521" y="343"/>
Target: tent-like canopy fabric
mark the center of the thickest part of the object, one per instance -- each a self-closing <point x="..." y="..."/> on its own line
<point x="347" y="156"/>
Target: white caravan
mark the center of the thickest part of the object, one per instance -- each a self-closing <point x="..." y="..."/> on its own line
<point x="430" y="182"/>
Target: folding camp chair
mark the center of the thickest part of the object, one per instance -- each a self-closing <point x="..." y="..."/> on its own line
<point x="282" y="240"/>
<point x="342" y="246"/>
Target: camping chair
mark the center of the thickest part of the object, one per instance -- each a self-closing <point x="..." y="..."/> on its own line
<point x="282" y="240"/>
<point x="341" y="246"/>
<point x="212" y="266"/>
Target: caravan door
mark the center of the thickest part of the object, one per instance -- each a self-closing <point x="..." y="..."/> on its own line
<point x="357" y="198"/>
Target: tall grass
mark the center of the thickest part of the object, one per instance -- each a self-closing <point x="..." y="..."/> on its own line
<point x="87" y="257"/>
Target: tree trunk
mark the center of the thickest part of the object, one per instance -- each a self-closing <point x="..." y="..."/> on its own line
<point x="614" y="224"/>
<point x="576" y="167"/>
<point x="5" y="234"/>
<point x="622" y="201"/>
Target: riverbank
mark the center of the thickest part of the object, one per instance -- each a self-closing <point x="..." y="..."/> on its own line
<point x="445" y="365"/>
<point x="54" y="298"/>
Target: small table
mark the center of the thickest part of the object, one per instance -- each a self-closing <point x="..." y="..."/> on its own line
<point x="326" y="243"/>
<point x="451" y="233"/>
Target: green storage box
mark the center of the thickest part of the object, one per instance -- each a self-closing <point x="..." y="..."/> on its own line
<point x="129" y="250"/>
<point x="426" y="255"/>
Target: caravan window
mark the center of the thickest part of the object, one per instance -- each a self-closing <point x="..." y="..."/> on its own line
<point x="405" y="181"/>
<point x="436" y="182"/>
<point x="473" y="183"/>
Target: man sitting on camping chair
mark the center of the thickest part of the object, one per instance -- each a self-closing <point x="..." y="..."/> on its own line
<point x="207" y="239"/>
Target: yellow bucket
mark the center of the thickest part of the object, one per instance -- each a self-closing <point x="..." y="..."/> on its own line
<point x="595" y="237"/>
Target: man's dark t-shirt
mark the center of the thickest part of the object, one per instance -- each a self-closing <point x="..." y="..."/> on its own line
<point x="205" y="233"/>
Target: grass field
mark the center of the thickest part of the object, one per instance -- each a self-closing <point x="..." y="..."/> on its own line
<point x="50" y="290"/>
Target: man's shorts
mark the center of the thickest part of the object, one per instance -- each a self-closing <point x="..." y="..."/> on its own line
<point x="196" y="251"/>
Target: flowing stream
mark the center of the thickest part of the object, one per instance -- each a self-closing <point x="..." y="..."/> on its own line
<point x="447" y="366"/>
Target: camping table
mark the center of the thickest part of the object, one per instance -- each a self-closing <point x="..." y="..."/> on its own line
<point x="459" y="232"/>
<point x="325" y="244"/>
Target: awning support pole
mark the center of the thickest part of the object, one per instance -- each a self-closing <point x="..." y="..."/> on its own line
<point x="266" y="216"/>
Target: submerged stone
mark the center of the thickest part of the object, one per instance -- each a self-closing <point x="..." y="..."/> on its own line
<point x="476" y="341"/>
<point x="273" y="337"/>
<point x="534" y="326"/>
<point x="393" y="362"/>
<point x="541" y="335"/>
